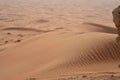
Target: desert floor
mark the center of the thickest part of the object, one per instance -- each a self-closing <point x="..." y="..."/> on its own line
<point x="58" y="40"/>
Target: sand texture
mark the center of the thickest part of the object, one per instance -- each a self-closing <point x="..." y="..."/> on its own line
<point x="58" y="40"/>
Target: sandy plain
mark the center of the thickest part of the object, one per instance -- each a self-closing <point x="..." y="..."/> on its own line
<point x="58" y="40"/>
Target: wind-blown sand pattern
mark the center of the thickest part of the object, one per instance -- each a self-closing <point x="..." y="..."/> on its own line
<point x="58" y="40"/>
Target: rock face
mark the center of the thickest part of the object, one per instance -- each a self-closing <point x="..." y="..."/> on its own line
<point x="116" y="18"/>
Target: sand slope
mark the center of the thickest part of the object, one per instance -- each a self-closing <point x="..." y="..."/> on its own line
<point x="54" y="53"/>
<point x="58" y="40"/>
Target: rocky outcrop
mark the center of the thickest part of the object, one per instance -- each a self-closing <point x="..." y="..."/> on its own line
<point x="116" y="18"/>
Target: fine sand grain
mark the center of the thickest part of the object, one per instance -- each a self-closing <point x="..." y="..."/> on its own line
<point x="58" y="40"/>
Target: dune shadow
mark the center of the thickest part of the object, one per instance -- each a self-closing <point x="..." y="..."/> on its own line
<point x="102" y="28"/>
<point x="25" y="29"/>
<point x="42" y="21"/>
<point x="39" y="21"/>
<point x="30" y="29"/>
<point x="8" y="19"/>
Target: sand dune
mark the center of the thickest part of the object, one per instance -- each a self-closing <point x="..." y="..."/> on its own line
<point x="75" y="53"/>
<point x="58" y="40"/>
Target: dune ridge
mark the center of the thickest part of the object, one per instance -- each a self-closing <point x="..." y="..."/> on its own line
<point x="25" y="29"/>
<point x="30" y="29"/>
<point x="99" y="54"/>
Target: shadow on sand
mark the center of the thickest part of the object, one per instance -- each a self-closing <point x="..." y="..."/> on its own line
<point x="101" y="28"/>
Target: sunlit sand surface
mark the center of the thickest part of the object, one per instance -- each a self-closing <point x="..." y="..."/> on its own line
<point x="58" y="40"/>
